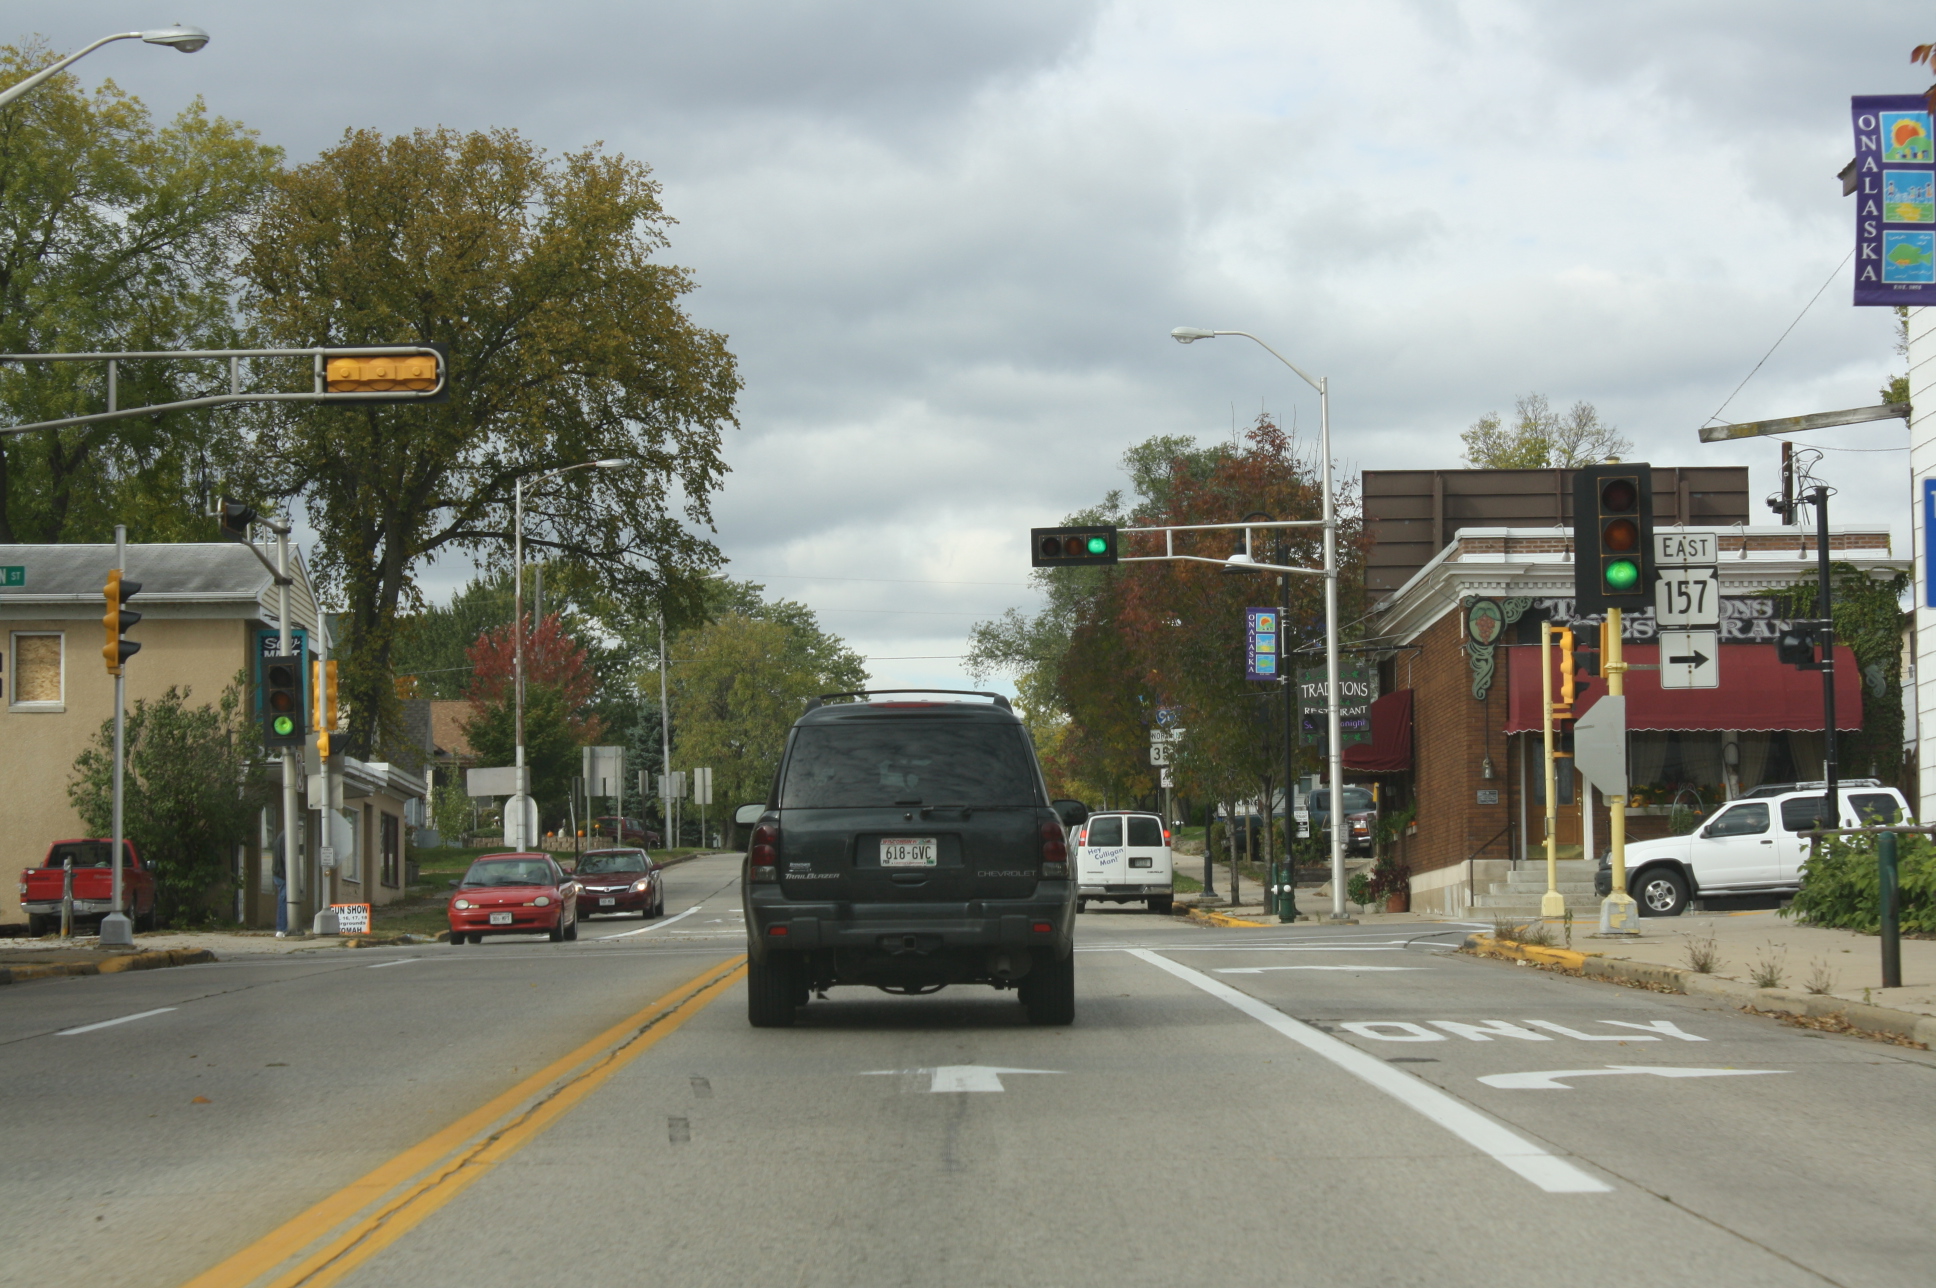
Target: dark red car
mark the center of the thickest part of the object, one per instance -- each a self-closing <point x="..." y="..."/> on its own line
<point x="620" y="881"/>
<point x="626" y="831"/>
<point x="514" y="894"/>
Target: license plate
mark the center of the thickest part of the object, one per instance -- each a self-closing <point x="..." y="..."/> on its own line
<point x="907" y="851"/>
<point x="500" y="919"/>
<point x="606" y="903"/>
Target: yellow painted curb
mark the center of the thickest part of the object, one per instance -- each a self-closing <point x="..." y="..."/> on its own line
<point x="108" y="966"/>
<point x="1218" y="919"/>
<point x="1565" y="959"/>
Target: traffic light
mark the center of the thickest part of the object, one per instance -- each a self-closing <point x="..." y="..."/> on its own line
<point x="1795" y="647"/>
<point x="322" y="683"/>
<point x="118" y="618"/>
<point x="235" y="519"/>
<point x="1586" y="648"/>
<point x="1071" y="547"/>
<point x="422" y="376"/>
<point x="282" y="702"/>
<point x="1613" y="537"/>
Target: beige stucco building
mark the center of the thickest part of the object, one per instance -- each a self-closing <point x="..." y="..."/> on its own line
<point x="207" y="612"/>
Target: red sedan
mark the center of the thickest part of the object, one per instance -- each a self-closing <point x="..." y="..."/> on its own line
<point x="620" y="881"/>
<point x="514" y="894"/>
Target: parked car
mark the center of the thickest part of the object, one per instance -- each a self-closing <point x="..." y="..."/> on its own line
<point x="908" y="845"/>
<point x="1360" y="814"/>
<point x="619" y="881"/>
<point x="93" y="858"/>
<point x="626" y="831"/>
<point x="1124" y="857"/>
<point x="1746" y="846"/>
<point x="514" y="894"/>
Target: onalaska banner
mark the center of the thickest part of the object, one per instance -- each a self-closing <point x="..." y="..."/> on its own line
<point x="1261" y="643"/>
<point x="1895" y="200"/>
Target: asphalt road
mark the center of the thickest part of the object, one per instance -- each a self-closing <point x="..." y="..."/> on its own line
<point x="1313" y="1105"/>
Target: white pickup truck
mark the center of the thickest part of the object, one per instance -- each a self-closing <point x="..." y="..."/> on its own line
<point x="1746" y="846"/>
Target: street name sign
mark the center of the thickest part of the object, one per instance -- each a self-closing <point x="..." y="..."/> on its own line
<point x="1690" y="660"/>
<point x="1680" y="548"/>
<point x="1687" y="599"/>
<point x="13" y="574"/>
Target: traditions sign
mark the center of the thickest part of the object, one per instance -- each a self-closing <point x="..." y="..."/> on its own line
<point x="1895" y="196"/>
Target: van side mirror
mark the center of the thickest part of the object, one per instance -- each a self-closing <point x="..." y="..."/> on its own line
<point x="1072" y="813"/>
<point x="747" y="815"/>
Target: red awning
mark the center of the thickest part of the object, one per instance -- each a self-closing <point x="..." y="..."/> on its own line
<point x="1390" y="748"/>
<point x="1757" y="692"/>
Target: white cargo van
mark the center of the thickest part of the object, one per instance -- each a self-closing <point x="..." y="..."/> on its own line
<point x="1124" y="857"/>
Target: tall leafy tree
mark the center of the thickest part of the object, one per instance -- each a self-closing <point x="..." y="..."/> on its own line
<point x="1540" y="438"/>
<point x="115" y="233"/>
<point x="568" y="344"/>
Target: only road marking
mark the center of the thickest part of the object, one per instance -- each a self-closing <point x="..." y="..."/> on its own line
<point x="1549" y="1080"/>
<point x="958" y="1077"/>
<point x="646" y="930"/>
<point x="108" y="1024"/>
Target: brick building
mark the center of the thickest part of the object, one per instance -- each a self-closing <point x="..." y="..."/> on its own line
<point x="1474" y="770"/>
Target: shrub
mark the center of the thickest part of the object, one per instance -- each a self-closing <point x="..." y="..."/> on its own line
<point x="1840" y="886"/>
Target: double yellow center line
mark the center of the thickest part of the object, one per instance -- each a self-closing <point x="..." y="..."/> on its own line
<point x="349" y="1227"/>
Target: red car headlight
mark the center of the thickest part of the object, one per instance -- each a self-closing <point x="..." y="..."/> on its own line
<point x="460" y="903"/>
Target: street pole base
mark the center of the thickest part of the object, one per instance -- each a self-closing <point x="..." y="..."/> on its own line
<point x="1338" y="919"/>
<point x="1552" y="905"/>
<point x="326" y="923"/>
<point x="1619" y="915"/>
<point x="117" y="931"/>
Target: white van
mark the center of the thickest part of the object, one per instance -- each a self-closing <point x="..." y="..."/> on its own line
<point x="1124" y="857"/>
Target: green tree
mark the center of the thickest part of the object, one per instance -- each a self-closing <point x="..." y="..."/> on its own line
<point x="1897" y="390"/>
<point x="1869" y="621"/>
<point x="1541" y="438"/>
<point x="550" y="744"/>
<point x="114" y="234"/>
<point x="568" y="344"/>
<point x="189" y="793"/>
<point x="433" y="646"/>
<point x="739" y="683"/>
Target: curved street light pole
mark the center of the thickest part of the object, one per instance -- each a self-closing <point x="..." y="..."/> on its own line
<point x="521" y="802"/>
<point x="186" y="39"/>
<point x="1334" y="752"/>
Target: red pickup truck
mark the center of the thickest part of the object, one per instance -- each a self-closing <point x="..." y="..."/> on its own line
<point x="40" y="888"/>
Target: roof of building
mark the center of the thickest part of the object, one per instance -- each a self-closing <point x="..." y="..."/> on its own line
<point x="178" y="578"/>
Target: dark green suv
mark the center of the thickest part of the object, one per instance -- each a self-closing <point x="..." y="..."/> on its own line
<point x="909" y="844"/>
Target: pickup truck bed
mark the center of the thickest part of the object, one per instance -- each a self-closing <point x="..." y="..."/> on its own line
<point x="92" y="858"/>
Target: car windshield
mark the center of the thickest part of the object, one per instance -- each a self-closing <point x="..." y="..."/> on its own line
<point x="862" y="763"/>
<point x="614" y="861"/>
<point x="508" y="872"/>
<point x="1354" y="798"/>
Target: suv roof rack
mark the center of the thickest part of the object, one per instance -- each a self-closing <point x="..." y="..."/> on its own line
<point x="1819" y="785"/>
<point x="996" y="698"/>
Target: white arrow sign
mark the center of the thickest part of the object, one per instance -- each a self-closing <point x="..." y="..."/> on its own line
<point x="1549" y="1080"/>
<point x="958" y="1077"/>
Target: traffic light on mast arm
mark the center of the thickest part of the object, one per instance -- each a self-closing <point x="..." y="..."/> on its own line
<point x="322" y="684"/>
<point x="422" y="376"/>
<point x="118" y="618"/>
<point x="235" y="520"/>
<point x="283" y="705"/>
<point x="1613" y="537"/>
<point x="1072" y="547"/>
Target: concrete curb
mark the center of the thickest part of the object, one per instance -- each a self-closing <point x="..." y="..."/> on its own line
<point x="1218" y="919"/>
<point x="1860" y="1015"/>
<point x="110" y="966"/>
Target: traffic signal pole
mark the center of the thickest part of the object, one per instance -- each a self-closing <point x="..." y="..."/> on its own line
<point x="1825" y="633"/>
<point x="117" y="928"/>
<point x="1617" y="913"/>
<point x="1553" y="903"/>
<point x="291" y="809"/>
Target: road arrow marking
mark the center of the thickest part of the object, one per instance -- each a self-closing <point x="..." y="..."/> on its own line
<point x="1259" y="970"/>
<point x="958" y="1077"/>
<point x="1549" y="1080"/>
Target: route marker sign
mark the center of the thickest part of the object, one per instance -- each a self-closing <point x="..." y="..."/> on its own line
<point x="1690" y="660"/>
<point x="1687" y="599"/>
<point x="1680" y="548"/>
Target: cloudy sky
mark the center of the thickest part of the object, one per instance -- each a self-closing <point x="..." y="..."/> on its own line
<point x="948" y="238"/>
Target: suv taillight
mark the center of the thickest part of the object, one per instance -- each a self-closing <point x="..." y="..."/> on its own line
<point x="763" y="858"/>
<point x="1055" y="851"/>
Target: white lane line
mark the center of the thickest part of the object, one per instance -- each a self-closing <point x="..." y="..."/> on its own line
<point x="108" y="1024"/>
<point x="401" y="961"/>
<point x="657" y="925"/>
<point x="1535" y="1163"/>
<point x="1259" y="970"/>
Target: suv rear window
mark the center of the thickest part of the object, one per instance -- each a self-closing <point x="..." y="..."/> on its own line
<point x="866" y="763"/>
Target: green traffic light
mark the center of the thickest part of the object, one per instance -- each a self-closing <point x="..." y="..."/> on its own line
<point x="1098" y="546"/>
<point x="284" y="726"/>
<point x="1623" y="575"/>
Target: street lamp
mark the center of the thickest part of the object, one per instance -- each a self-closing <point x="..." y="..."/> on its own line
<point x="186" y="39"/>
<point x="521" y="801"/>
<point x="1334" y="753"/>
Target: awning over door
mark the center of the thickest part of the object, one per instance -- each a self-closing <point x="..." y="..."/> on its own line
<point x="1757" y="692"/>
<point x="1390" y="748"/>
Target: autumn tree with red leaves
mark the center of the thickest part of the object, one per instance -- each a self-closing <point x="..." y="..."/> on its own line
<point x="559" y="689"/>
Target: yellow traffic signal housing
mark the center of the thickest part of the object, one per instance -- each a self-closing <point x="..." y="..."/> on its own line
<point x="118" y="618"/>
<point x="382" y="373"/>
<point x="323" y="691"/>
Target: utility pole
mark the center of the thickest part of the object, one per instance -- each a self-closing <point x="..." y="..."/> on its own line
<point x="291" y="812"/>
<point x="1287" y="679"/>
<point x="1825" y="634"/>
<point x="328" y="765"/>
<point x="665" y="742"/>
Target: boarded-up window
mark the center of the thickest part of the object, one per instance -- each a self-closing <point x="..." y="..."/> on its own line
<point x="36" y="668"/>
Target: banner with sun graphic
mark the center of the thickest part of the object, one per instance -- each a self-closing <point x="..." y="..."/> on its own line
<point x="1895" y="220"/>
